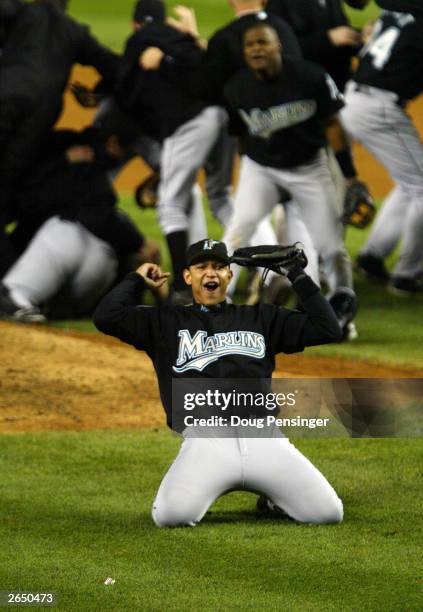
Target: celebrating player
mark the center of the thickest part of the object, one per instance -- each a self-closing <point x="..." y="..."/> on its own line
<point x="212" y="339"/>
<point x="388" y="76"/>
<point x="281" y="107"/>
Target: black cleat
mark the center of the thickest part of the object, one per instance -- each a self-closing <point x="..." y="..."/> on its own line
<point x="403" y="286"/>
<point x="345" y="305"/>
<point x="373" y="267"/>
<point x="10" y="311"/>
<point x="265" y="507"/>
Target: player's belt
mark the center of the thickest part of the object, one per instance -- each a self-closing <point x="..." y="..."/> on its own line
<point x="379" y="93"/>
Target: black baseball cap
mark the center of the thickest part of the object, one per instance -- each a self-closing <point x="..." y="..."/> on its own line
<point x="147" y="11"/>
<point x="207" y="249"/>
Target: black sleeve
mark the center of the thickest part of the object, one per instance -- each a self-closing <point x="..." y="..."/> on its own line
<point x="236" y="126"/>
<point x="123" y="235"/>
<point x="91" y="53"/>
<point x="120" y="315"/>
<point x="291" y="331"/>
<point x="329" y="99"/>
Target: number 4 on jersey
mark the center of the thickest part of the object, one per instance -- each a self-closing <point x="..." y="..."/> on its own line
<point x="380" y="47"/>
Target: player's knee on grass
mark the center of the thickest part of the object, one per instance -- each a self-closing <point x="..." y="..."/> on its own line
<point x="329" y="512"/>
<point x="180" y="514"/>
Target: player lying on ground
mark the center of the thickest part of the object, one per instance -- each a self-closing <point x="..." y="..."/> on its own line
<point x="207" y="467"/>
<point x="71" y="241"/>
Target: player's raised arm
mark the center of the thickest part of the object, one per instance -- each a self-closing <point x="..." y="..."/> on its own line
<point x="119" y="313"/>
<point x="315" y="323"/>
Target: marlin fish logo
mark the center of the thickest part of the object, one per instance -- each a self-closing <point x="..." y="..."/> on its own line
<point x="209" y="244"/>
<point x="198" y="351"/>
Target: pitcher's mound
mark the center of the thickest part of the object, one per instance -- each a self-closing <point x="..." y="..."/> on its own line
<point x="64" y="380"/>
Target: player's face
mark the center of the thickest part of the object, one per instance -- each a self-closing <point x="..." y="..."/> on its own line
<point x="262" y="51"/>
<point x="209" y="281"/>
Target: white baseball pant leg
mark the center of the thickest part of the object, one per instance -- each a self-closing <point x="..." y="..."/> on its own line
<point x="374" y="118"/>
<point x="313" y="191"/>
<point x="62" y="253"/>
<point x="388" y="225"/>
<point x="296" y="231"/>
<point x="197" y="225"/>
<point x="218" y="171"/>
<point x="206" y="468"/>
<point x="183" y="154"/>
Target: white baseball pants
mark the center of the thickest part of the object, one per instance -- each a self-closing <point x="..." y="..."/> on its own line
<point x="183" y="154"/>
<point x="374" y="118"/>
<point x="313" y="191"/>
<point x="62" y="253"/>
<point x="206" y="468"/>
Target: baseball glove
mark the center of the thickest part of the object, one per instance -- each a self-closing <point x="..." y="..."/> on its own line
<point x="146" y="192"/>
<point x="280" y="259"/>
<point x="359" y="206"/>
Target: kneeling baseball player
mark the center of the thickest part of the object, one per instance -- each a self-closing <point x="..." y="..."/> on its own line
<point x="212" y="339"/>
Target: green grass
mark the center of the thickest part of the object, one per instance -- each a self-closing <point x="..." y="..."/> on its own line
<point x="76" y="509"/>
<point x="110" y="21"/>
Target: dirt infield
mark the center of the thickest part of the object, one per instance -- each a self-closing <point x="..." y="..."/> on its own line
<point x="57" y="380"/>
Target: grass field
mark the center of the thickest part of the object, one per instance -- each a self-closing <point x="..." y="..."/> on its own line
<point x="76" y="506"/>
<point x="76" y="510"/>
<point x="110" y="20"/>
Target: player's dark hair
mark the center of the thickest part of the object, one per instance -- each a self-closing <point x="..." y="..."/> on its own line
<point x="259" y="25"/>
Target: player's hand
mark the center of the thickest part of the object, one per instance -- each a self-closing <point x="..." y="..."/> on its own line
<point x="153" y="276"/>
<point x="151" y="58"/>
<point x="185" y="22"/>
<point x="344" y="36"/>
<point x="80" y="153"/>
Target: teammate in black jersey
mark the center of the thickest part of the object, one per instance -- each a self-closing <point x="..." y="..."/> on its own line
<point x="389" y="75"/>
<point x="211" y="340"/>
<point x="281" y="107"/>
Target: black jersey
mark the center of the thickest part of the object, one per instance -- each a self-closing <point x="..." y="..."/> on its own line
<point x="219" y="342"/>
<point x="157" y="104"/>
<point x="311" y="20"/>
<point x="282" y="120"/>
<point x="393" y="58"/>
<point x="224" y="56"/>
<point x="76" y="191"/>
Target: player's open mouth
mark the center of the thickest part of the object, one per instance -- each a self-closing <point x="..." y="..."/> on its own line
<point x="211" y="286"/>
<point x="257" y="57"/>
